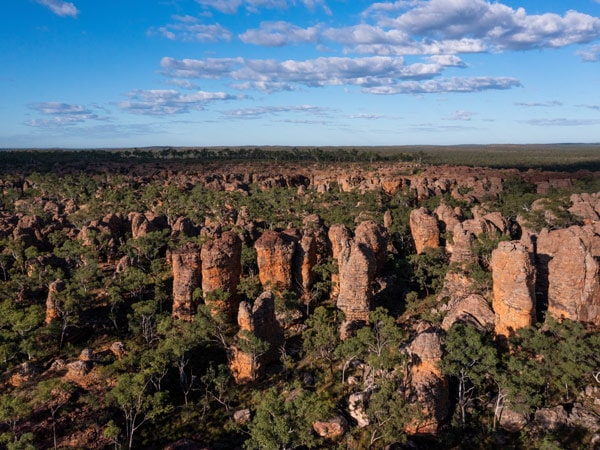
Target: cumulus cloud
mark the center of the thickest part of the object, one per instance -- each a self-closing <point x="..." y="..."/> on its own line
<point x="158" y="102"/>
<point x="60" y="8"/>
<point x="496" y="23"/>
<point x="277" y="34"/>
<point x="61" y="114"/>
<point x="187" y="29"/>
<point x="272" y="75"/>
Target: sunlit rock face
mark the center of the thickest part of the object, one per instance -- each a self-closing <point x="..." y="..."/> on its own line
<point x="221" y="271"/>
<point x="187" y="275"/>
<point x="513" y="275"/>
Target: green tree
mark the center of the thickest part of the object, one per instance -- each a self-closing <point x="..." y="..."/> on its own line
<point x="321" y="337"/>
<point x="470" y="358"/>
<point x="52" y="394"/>
<point x="137" y="403"/>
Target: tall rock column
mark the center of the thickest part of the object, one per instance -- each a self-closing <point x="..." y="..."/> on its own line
<point x="186" y="278"/>
<point x="359" y="262"/>
<point x="574" y="282"/>
<point x="339" y="237"/>
<point x="221" y="271"/>
<point x="256" y="322"/>
<point x="424" y="229"/>
<point x="274" y="256"/>
<point x="513" y="276"/>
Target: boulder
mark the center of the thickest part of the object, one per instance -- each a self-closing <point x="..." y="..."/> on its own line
<point x="332" y="429"/>
<point x="52" y="301"/>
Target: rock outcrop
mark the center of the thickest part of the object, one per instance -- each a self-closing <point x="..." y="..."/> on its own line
<point x="513" y="276"/>
<point x="221" y="271"/>
<point x="274" y="256"/>
<point x="428" y="386"/>
<point x="357" y="269"/>
<point x="256" y="322"/>
<point x="339" y="237"/>
<point x="187" y="275"/>
<point x="574" y="283"/>
<point x="424" y="229"/>
<point x="52" y="308"/>
<point x="472" y="309"/>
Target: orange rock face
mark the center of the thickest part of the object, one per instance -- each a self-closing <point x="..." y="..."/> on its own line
<point x="574" y="283"/>
<point x="186" y="278"/>
<point x="428" y="384"/>
<point x="221" y="270"/>
<point x="258" y="320"/>
<point x="513" y="276"/>
<point x="473" y="309"/>
<point x="51" y="300"/>
<point x="357" y="269"/>
<point x="424" y="229"/>
<point x="339" y="238"/>
<point x="274" y="256"/>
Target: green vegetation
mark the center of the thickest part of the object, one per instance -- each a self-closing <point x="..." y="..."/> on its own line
<point x="155" y="379"/>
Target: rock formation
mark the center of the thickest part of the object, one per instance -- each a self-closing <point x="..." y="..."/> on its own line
<point x="257" y="321"/>
<point x="52" y="309"/>
<point x="375" y="237"/>
<point x="357" y="269"/>
<point x="513" y="276"/>
<point x="187" y="274"/>
<point x="339" y="238"/>
<point x="427" y="384"/>
<point x="472" y="309"/>
<point x="574" y="283"/>
<point x="274" y="255"/>
<point x="221" y="271"/>
<point x="424" y="229"/>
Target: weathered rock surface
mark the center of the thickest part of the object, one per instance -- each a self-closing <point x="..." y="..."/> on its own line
<point x="359" y="260"/>
<point x="357" y="408"/>
<point x="187" y="275"/>
<point x="332" y="429"/>
<point x="305" y="258"/>
<point x="513" y="276"/>
<point x="427" y="384"/>
<point x="52" y="301"/>
<point x="473" y="309"/>
<point x="424" y="229"/>
<point x="221" y="271"/>
<point x="574" y="283"/>
<point x="275" y="253"/>
<point x="258" y="320"/>
<point x="339" y="237"/>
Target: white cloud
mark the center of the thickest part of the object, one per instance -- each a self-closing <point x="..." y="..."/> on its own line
<point x="590" y="54"/>
<point x="495" y="23"/>
<point x="60" y="8"/>
<point x="277" y="34"/>
<point x="547" y="104"/>
<point x="158" y="102"/>
<point x="474" y="84"/>
<point x="61" y="114"/>
<point x="232" y="6"/>
<point x="245" y="113"/>
<point x="461" y="115"/>
<point x="272" y="75"/>
<point x="562" y="122"/>
<point x="593" y="107"/>
<point x="187" y="29"/>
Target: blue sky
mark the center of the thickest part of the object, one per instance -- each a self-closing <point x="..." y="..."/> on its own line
<point x="90" y="73"/>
